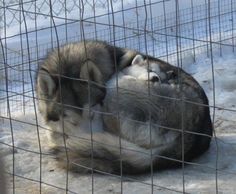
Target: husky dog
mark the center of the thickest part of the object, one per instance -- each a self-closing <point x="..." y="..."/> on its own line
<point x="62" y="79"/>
<point x="141" y="122"/>
<point x="167" y="117"/>
<point x="66" y="68"/>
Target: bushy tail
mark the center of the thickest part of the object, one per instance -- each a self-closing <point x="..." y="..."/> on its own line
<point x="105" y="153"/>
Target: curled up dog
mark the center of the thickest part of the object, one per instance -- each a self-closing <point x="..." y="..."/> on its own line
<point x="142" y="118"/>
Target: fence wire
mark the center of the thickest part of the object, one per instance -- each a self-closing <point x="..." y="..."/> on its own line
<point x="167" y="29"/>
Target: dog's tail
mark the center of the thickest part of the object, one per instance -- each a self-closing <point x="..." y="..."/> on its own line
<point x="105" y="152"/>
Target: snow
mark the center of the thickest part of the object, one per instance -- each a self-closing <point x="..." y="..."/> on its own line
<point x="199" y="177"/>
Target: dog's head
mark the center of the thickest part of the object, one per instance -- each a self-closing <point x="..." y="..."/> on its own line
<point x="68" y="98"/>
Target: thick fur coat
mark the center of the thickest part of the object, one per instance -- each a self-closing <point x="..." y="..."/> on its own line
<point x="150" y="114"/>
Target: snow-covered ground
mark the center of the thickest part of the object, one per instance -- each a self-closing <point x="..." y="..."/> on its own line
<point x="197" y="178"/>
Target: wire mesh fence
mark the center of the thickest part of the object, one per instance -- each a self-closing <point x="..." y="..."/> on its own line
<point x="183" y="33"/>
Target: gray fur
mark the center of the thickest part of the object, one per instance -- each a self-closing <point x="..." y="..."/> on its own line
<point x="140" y="111"/>
<point x="64" y="74"/>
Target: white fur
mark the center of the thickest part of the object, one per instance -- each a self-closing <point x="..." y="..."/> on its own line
<point x="46" y="82"/>
<point x="75" y="125"/>
<point x="138" y="59"/>
<point x="138" y="70"/>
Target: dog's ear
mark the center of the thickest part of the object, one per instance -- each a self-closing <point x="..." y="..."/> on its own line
<point x="138" y="60"/>
<point x="89" y="71"/>
<point x="45" y="84"/>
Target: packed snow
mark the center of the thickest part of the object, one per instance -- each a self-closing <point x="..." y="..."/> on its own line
<point x="198" y="178"/>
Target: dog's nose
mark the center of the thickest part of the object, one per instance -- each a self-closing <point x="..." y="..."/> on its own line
<point x="155" y="79"/>
<point x="52" y="117"/>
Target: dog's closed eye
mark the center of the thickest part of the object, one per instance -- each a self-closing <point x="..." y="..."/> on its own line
<point x="171" y="74"/>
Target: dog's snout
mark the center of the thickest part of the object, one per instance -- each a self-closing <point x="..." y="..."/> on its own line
<point x="52" y="117"/>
